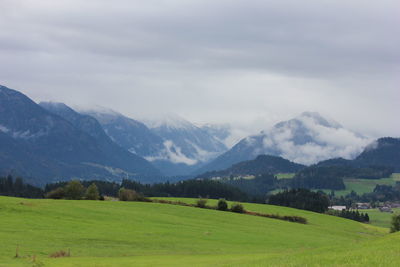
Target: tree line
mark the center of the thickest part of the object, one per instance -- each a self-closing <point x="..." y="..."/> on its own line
<point x="354" y="215"/>
<point x="188" y="188"/>
<point x="17" y="188"/>
<point x="301" y="199"/>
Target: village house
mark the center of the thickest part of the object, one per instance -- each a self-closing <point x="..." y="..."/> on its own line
<point x="339" y="208"/>
<point x="385" y="209"/>
<point x="363" y="206"/>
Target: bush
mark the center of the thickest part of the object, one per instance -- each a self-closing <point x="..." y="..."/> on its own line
<point x="57" y="193"/>
<point x="201" y="203"/>
<point x="60" y="254"/>
<point x="395" y="223"/>
<point x="237" y="208"/>
<point x="130" y="195"/>
<point x="92" y="192"/>
<point x="74" y="190"/>
<point x="222" y="205"/>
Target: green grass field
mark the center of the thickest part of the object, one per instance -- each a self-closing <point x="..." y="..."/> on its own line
<point x="285" y="175"/>
<point x="379" y="218"/>
<point x="112" y="233"/>
<point x="361" y="186"/>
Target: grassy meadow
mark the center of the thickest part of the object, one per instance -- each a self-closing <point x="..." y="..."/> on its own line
<point x="361" y="186"/>
<point x="112" y="233"/>
<point x="379" y="218"/>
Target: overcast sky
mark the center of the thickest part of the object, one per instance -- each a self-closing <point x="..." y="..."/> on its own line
<point x="244" y="62"/>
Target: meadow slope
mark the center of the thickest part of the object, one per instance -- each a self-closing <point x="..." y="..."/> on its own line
<point x="107" y="233"/>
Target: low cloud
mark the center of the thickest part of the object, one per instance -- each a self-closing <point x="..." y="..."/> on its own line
<point x="305" y="140"/>
<point x="209" y="61"/>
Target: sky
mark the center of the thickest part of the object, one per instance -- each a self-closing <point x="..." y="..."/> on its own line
<point x="249" y="63"/>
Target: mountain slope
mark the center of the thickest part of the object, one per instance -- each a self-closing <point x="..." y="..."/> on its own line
<point x="263" y="164"/>
<point x="306" y="139"/>
<point x="136" y="137"/>
<point x="118" y="156"/>
<point x="173" y="145"/>
<point x="194" y="144"/>
<point x="128" y="133"/>
<point x="43" y="146"/>
<point x="384" y="151"/>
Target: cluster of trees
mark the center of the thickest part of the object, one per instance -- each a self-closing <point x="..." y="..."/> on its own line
<point x="17" y="188"/>
<point x="189" y="188"/>
<point x="318" y="178"/>
<point x="221" y="205"/>
<point x="331" y="177"/>
<point x="354" y="215"/>
<point x="260" y="165"/>
<point x="105" y="188"/>
<point x="62" y="190"/>
<point x="348" y="168"/>
<point x="76" y="191"/>
<point x="301" y="199"/>
<point x="256" y="187"/>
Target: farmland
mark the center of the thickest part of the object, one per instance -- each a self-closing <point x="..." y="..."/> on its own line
<point x="112" y="233"/>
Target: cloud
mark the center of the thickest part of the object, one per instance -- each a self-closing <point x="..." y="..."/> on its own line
<point x="240" y="62"/>
<point x="305" y="140"/>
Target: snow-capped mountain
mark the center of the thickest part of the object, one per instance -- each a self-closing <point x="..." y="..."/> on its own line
<point x="131" y="134"/>
<point x="221" y="132"/>
<point x="185" y="143"/>
<point x="44" y="147"/>
<point x="172" y="144"/>
<point x="306" y="139"/>
<point x="195" y="144"/>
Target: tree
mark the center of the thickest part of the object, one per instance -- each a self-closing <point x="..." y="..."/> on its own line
<point x="201" y="203"/>
<point x="366" y="217"/>
<point x="74" y="190"/>
<point x="237" y="207"/>
<point x="129" y="195"/>
<point x="222" y="205"/>
<point x="395" y="223"/>
<point x="92" y="192"/>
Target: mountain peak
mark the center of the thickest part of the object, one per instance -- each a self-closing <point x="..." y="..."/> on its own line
<point x="170" y="121"/>
<point x="55" y="105"/>
<point x="318" y="119"/>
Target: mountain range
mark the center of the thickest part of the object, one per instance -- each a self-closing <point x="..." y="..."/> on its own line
<point x="48" y="142"/>
<point x="42" y="146"/>
<point x="306" y="139"/>
<point x="172" y="144"/>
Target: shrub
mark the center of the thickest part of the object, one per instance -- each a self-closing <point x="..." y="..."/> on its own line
<point x="201" y="203"/>
<point x="92" y="192"/>
<point x="130" y="195"/>
<point x="222" y="205"/>
<point x="237" y="208"/>
<point x="74" y="190"/>
<point x="59" y="254"/>
<point x="395" y="223"/>
<point x="57" y="193"/>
